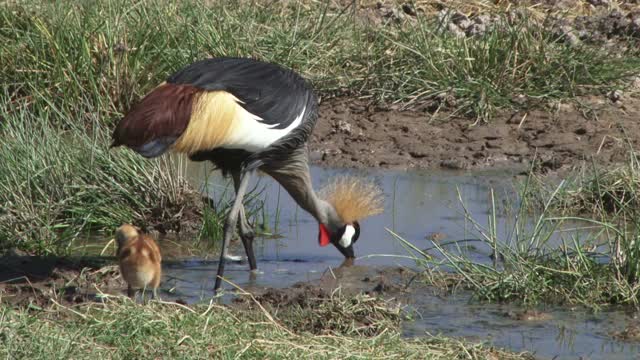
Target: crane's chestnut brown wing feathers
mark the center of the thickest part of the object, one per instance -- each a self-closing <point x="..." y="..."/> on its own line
<point x="157" y="121"/>
<point x="232" y="103"/>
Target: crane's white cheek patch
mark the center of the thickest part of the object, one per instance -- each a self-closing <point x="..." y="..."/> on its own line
<point x="345" y="240"/>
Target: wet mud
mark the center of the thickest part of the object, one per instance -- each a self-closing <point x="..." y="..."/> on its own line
<point x="361" y="134"/>
<point x="356" y="134"/>
<point x="35" y="281"/>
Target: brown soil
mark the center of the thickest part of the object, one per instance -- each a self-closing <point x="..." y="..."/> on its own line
<point x="27" y="280"/>
<point x="353" y="133"/>
<point x="387" y="282"/>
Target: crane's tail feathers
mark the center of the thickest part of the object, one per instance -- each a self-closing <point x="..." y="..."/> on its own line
<point x="353" y="198"/>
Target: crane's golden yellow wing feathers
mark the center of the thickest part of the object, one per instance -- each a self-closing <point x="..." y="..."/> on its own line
<point x="213" y="118"/>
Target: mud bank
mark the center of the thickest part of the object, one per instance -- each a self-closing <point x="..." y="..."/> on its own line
<point x="33" y="280"/>
<point x="353" y="133"/>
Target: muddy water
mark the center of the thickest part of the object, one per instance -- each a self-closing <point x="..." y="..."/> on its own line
<point x="420" y="207"/>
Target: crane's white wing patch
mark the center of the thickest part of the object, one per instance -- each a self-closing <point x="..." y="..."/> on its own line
<point x="253" y="135"/>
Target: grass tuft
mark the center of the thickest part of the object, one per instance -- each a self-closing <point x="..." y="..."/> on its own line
<point x="56" y="184"/>
<point x="536" y="262"/>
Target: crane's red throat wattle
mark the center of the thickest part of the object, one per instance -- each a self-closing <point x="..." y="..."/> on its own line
<point x="323" y="237"/>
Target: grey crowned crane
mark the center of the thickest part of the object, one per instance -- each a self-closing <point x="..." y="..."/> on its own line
<point x="245" y="115"/>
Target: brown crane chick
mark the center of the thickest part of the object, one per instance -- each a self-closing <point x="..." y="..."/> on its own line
<point x="139" y="258"/>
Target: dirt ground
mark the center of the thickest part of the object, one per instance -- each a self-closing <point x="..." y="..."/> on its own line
<point x="29" y="281"/>
<point x="390" y="282"/>
<point x="353" y="133"/>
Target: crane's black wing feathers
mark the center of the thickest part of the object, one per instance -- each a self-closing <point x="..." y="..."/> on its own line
<point x="276" y="94"/>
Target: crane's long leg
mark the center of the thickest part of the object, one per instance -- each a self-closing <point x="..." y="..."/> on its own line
<point x="229" y="226"/>
<point x="246" y="232"/>
<point x="227" y="256"/>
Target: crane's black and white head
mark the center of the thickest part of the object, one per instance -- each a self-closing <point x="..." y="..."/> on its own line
<point x="343" y="238"/>
<point x="350" y="199"/>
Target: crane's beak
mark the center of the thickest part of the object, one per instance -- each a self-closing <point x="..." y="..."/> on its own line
<point x="347" y="252"/>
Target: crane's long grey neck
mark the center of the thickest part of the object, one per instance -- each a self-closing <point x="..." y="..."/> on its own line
<point x="293" y="174"/>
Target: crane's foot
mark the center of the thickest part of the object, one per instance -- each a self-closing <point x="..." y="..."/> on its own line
<point x="347" y="262"/>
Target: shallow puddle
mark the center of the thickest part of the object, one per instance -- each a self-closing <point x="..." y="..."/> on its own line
<point x="420" y="207"/>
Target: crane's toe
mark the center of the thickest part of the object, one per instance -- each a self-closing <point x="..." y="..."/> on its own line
<point x="233" y="258"/>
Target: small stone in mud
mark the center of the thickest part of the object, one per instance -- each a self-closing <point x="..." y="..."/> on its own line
<point x="436" y="236"/>
<point x="528" y="315"/>
<point x="630" y="333"/>
<point x="615" y="95"/>
<point x="447" y="98"/>
<point x="344" y="127"/>
<point x="454" y="164"/>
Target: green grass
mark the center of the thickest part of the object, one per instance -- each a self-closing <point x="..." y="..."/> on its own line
<point x="112" y="52"/>
<point x="119" y="329"/>
<point x="593" y="190"/>
<point x="543" y="257"/>
<point x="56" y="183"/>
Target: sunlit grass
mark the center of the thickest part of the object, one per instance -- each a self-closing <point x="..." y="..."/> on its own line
<point x="102" y="56"/>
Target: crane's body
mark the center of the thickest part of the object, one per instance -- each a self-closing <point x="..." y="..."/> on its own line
<point x="241" y="115"/>
<point x="223" y="108"/>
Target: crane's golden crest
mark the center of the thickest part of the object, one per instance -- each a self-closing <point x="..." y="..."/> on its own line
<point x="213" y="118"/>
<point x="353" y="198"/>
